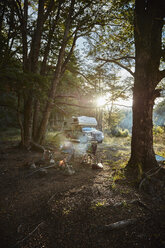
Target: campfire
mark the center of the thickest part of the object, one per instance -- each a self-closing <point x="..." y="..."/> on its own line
<point x="62" y="163"/>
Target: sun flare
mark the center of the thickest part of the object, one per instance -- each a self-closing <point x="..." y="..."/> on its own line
<point x="100" y="101"/>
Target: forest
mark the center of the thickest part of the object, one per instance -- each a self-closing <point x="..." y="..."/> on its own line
<point x="82" y="123"/>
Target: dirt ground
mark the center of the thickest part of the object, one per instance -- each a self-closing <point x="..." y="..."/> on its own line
<point x="54" y="209"/>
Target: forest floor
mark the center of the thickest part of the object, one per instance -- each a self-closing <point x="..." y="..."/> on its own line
<point x="54" y="209"/>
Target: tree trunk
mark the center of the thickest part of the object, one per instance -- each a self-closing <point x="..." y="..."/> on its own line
<point x="28" y="121"/>
<point x="42" y="129"/>
<point x="36" y="118"/>
<point x="148" y="32"/>
<point x="57" y="75"/>
<point x="142" y="153"/>
<point x="20" y="119"/>
<point x="30" y="64"/>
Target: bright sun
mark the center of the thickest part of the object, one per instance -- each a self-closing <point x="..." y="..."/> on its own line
<point x="100" y="101"/>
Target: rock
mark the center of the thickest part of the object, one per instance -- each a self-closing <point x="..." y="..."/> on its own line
<point x="70" y="170"/>
<point x="33" y="166"/>
<point x="52" y="161"/>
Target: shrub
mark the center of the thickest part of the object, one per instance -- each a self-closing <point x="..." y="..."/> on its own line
<point x="158" y="130"/>
<point x="118" y="132"/>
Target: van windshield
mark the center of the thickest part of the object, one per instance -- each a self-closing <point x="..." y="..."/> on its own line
<point x="86" y="129"/>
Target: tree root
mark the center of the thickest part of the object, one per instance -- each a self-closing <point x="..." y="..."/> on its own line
<point x="141" y="204"/>
<point x="148" y="175"/>
<point x="36" y="147"/>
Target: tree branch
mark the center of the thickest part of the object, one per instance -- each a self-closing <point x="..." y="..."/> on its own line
<point x="89" y="107"/>
<point x="117" y="63"/>
<point x="69" y="54"/>
<point x="124" y="57"/>
<point x="50" y="36"/>
<point x="60" y="109"/>
<point x="49" y="9"/>
<point x="80" y="73"/>
<point x="69" y="96"/>
<point x="76" y="105"/>
<point x="18" y="10"/>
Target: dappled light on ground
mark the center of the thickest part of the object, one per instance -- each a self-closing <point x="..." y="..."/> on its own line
<point x="79" y="210"/>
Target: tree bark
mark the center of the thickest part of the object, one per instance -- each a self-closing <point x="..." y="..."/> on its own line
<point x="31" y="66"/>
<point x="142" y="152"/>
<point x="28" y="121"/>
<point x="20" y="119"/>
<point x="36" y="39"/>
<point x="36" y="118"/>
<point x="148" y="33"/>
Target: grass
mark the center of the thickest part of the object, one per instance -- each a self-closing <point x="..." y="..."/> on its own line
<point x="118" y="141"/>
<point x="98" y="205"/>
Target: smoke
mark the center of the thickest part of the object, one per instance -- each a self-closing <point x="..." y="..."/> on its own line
<point x="79" y="148"/>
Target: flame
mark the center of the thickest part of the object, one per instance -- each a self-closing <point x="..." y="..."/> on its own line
<point x="62" y="163"/>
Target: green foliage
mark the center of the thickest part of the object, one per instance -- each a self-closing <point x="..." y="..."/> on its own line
<point x="55" y="138"/>
<point x="159" y="114"/>
<point x="119" y="175"/>
<point x="118" y="132"/>
<point x="112" y="118"/>
<point x="158" y="130"/>
<point x="98" y="205"/>
<point x="89" y="19"/>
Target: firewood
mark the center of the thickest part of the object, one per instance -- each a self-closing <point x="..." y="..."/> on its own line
<point x="40" y="169"/>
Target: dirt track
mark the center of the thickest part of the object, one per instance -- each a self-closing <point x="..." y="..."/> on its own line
<point x="72" y="211"/>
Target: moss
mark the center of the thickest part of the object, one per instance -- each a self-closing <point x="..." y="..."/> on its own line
<point x="140" y="171"/>
<point x="134" y="171"/>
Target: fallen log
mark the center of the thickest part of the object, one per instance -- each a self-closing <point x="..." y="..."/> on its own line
<point x="118" y="225"/>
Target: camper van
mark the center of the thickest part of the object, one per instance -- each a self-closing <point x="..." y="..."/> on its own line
<point x="83" y="129"/>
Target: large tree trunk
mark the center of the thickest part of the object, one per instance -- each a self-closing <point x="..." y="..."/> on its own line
<point x="142" y="153"/>
<point x="42" y="129"/>
<point x="36" y="121"/>
<point x="30" y="64"/>
<point x="148" y="32"/>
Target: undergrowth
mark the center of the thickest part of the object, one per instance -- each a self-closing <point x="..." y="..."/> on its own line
<point x="10" y="134"/>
